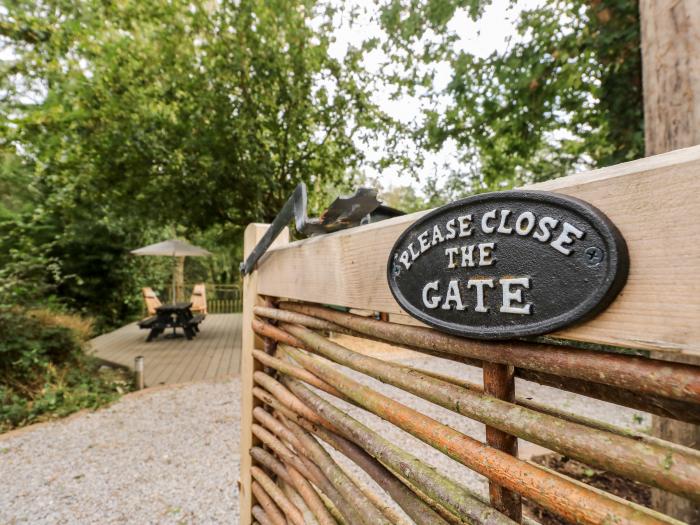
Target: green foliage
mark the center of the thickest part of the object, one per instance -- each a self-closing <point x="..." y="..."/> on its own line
<point x="566" y="95"/>
<point x="404" y="198"/>
<point x="127" y="121"/>
<point x="24" y="266"/>
<point x="43" y="370"/>
<point x="14" y="185"/>
<point x="56" y="258"/>
<point x="99" y="278"/>
<point x="186" y="113"/>
<point x="401" y="197"/>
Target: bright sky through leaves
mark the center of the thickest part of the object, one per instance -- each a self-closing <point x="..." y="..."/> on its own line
<point x="491" y="33"/>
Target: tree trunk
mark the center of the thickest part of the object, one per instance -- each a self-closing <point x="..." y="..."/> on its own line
<point x="671" y="74"/>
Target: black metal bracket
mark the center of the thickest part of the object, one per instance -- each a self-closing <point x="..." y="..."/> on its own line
<point x="344" y="212"/>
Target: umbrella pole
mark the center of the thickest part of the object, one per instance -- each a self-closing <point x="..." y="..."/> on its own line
<point x="172" y="287"/>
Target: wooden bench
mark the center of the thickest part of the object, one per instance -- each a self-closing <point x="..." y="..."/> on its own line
<point x="194" y="322"/>
<point x="148" y="322"/>
<point x="154" y="324"/>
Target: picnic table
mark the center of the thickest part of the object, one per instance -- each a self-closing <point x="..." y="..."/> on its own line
<point x="172" y="316"/>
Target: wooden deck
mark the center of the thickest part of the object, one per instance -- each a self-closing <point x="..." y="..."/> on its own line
<point x="214" y="354"/>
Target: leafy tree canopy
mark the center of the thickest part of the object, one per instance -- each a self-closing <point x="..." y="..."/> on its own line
<point x="185" y="112"/>
<point x="124" y="120"/>
<point x="565" y="95"/>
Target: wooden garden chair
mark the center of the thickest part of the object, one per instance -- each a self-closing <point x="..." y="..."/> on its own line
<point x="199" y="299"/>
<point x="151" y="300"/>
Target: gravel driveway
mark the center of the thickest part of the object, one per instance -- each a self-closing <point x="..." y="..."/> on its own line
<point x="170" y="455"/>
<point x="161" y="456"/>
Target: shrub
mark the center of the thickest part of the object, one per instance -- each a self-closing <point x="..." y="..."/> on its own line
<point x="44" y="371"/>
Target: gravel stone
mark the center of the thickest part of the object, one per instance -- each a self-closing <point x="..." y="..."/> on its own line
<point x="162" y="456"/>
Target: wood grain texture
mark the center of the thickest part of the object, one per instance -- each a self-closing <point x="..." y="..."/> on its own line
<point x="671" y="73"/>
<point x="249" y="342"/>
<point x="654" y="202"/>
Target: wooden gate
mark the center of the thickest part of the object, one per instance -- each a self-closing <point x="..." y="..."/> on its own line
<point x="639" y="353"/>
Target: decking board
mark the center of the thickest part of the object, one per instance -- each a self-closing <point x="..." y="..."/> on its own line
<point x="213" y="354"/>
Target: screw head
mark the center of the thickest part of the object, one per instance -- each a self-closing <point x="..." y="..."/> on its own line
<point x="594" y="256"/>
<point x="395" y="268"/>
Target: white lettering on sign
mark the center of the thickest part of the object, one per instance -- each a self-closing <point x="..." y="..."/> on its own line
<point x="450" y="252"/>
<point x="459" y="294"/>
<point x="423" y="240"/>
<point x="479" y="285"/>
<point x="496" y="222"/>
<point x="543" y="234"/>
<point x="453" y="296"/>
<point x="525" y="223"/>
<point x="512" y="296"/>
<point x="465" y="225"/>
<point x="437" y="236"/>
<point x="431" y="302"/>
<point x="562" y="242"/>
<point x="486" y="253"/>
<point x="485" y="220"/>
<point x="502" y="228"/>
<point x="467" y="255"/>
<point x="403" y="259"/>
<point x="451" y="232"/>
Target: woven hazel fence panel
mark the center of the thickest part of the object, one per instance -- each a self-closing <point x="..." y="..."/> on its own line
<point x="301" y="379"/>
<point x="307" y="391"/>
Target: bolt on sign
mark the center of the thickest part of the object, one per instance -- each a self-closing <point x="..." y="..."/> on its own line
<point x="508" y="264"/>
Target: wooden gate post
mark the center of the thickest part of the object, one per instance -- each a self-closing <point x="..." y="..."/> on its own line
<point x="671" y="79"/>
<point x="253" y="234"/>
<point x="499" y="382"/>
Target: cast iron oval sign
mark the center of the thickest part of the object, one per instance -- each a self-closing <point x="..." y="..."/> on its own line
<point x="508" y="264"/>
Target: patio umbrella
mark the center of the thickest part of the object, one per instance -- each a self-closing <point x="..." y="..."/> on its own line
<point x="172" y="248"/>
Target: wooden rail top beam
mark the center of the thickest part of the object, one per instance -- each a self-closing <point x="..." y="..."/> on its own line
<point x="655" y="202"/>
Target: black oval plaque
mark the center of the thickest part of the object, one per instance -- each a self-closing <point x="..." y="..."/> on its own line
<point x="508" y="264"/>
